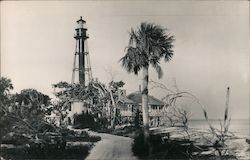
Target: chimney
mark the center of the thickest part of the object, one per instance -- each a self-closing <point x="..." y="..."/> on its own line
<point x="139" y="88"/>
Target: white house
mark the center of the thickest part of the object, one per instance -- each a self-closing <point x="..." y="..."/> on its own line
<point x="130" y="104"/>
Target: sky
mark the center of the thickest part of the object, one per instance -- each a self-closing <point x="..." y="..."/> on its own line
<point x="211" y="50"/>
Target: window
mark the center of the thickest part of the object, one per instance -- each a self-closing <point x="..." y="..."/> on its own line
<point x="125" y="108"/>
<point x="130" y="107"/>
<point x="154" y="107"/>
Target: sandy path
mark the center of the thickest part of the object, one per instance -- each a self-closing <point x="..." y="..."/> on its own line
<point x="112" y="147"/>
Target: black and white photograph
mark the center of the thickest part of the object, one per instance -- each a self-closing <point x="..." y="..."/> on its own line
<point x="125" y="80"/>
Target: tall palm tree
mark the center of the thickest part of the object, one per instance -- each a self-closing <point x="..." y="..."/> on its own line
<point x="148" y="44"/>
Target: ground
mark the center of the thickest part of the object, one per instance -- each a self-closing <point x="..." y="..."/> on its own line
<point x="118" y="147"/>
<point x="112" y="147"/>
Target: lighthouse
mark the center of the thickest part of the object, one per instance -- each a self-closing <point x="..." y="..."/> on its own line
<point x="81" y="68"/>
<point x="81" y="73"/>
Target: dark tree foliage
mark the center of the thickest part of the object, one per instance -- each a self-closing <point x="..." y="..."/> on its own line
<point x="68" y="92"/>
<point x="5" y="101"/>
<point x="84" y="120"/>
<point x="90" y="120"/>
<point x="148" y="44"/>
<point x="28" y="110"/>
<point x="37" y="102"/>
<point x="22" y="122"/>
<point x="114" y="86"/>
<point x="95" y="95"/>
<point x="22" y="112"/>
<point x="33" y="96"/>
<point x="159" y="148"/>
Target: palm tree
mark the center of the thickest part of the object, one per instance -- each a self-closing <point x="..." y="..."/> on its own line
<point x="148" y="44"/>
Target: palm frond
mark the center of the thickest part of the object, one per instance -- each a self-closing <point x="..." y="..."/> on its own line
<point x="159" y="71"/>
<point x="147" y="45"/>
<point x="133" y="37"/>
<point x="132" y="60"/>
<point x="158" y="68"/>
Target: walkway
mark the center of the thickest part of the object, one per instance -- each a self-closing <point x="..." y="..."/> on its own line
<point x="112" y="147"/>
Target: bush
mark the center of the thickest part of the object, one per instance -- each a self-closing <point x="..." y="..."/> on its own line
<point x="84" y="120"/>
<point x="139" y="147"/>
<point x="89" y="120"/>
<point x="83" y="136"/>
<point x="46" y="151"/>
<point x="161" y="149"/>
<point x="15" y="139"/>
<point x="14" y="153"/>
<point x="5" y="125"/>
<point x="50" y="146"/>
<point x="127" y="131"/>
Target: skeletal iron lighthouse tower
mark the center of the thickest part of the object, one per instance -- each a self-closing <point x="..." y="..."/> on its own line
<point x="81" y="67"/>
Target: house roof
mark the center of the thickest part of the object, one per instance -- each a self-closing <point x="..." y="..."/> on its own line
<point x="124" y="99"/>
<point x="137" y="97"/>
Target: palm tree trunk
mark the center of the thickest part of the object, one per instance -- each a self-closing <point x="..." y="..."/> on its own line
<point x="114" y="111"/>
<point x="145" y="115"/>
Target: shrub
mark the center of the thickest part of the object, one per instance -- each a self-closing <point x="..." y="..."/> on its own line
<point x="83" y="136"/>
<point x="89" y="120"/>
<point x="50" y="146"/>
<point x="157" y="148"/>
<point x="15" y="139"/>
<point x="84" y="120"/>
<point x="46" y="151"/>
<point x="139" y="147"/>
<point x="127" y="131"/>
